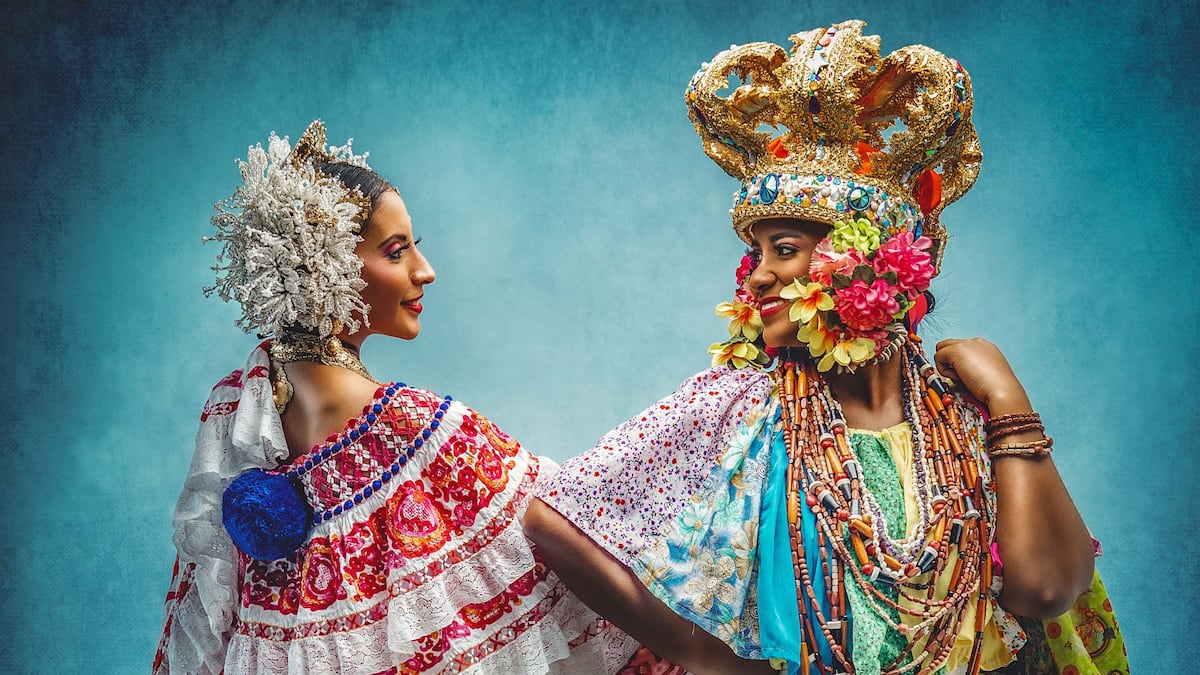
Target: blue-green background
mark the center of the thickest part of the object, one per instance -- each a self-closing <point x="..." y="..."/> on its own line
<point x="581" y="239"/>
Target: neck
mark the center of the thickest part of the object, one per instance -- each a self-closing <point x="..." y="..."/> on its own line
<point x="353" y="341"/>
<point x="872" y="397"/>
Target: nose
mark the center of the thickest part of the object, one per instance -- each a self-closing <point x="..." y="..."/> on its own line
<point x="422" y="272"/>
<point x="761" y="279"/>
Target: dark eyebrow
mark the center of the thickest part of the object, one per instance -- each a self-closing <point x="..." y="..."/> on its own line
<point x="401" y="238"/>
<point x="787" y="233"/>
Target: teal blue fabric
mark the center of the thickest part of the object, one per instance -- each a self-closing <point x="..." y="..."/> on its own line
<point x="779" y="625"/>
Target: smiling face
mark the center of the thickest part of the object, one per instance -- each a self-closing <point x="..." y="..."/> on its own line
<point x="394" y="270"/>
<point x="782" y="249"/>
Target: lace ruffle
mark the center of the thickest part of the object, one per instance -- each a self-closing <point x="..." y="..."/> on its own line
<point x="373" y="588"/>
<point x="227" y="444"/>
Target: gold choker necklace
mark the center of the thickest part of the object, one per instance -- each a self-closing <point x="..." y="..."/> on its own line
<point x="300" y="346"/>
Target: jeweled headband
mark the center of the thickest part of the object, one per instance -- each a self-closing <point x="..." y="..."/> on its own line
<point x="288" y="236"/>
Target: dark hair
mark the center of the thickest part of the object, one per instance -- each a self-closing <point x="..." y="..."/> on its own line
<point x="369" y="183"/>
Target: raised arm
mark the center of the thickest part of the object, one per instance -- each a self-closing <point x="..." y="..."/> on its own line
<point x="1044" y="544"/>
<point x="611" y="589"/>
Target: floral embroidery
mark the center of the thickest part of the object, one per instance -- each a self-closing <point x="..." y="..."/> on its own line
<point x="321" y="583"/>
<point x="415" y="522"/>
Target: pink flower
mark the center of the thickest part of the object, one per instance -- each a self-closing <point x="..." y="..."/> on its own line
<point x="826" y="262"/>
<point x="909" y="260"/>
<point x="743" y="295"/>
<point x="744" y="269"/>
<point x="864" y="307"/>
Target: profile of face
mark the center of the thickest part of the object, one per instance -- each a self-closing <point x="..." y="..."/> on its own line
<point x="394" y="269"/>
<point x="782" y="249"/>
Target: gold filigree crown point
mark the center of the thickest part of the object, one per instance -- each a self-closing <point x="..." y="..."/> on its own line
<point x="311" y="146"/>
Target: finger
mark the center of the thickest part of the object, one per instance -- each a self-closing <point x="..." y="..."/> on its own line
<point x="948" y="372"/>
<point x="944" y="359"/>
<point x="946" y="351"/>
<point x="946" y="343"/>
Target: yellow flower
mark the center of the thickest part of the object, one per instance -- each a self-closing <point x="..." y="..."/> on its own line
<point x="847" y="352"/>
<point x="820" y="340"/>
<point x="743" y="319"/>
<point x="734" y="353"/>
<point x="808" y="299"/>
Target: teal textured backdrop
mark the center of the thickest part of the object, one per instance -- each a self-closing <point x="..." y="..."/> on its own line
<point x="581" y="240"/>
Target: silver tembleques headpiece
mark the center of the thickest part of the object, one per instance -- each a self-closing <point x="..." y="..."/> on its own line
<point x="288" y="236"/>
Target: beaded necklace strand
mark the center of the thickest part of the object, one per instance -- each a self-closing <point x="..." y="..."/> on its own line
<point x="953" y="532"/>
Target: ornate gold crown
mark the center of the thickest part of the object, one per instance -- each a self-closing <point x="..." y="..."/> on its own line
<point x="810" y="134"/>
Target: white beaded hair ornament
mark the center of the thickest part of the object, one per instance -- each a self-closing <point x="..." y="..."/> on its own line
<point x="288" y="236"/>
<point x="812" y="134"/>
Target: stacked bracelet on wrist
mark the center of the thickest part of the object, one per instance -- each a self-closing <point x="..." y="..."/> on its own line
<point x="1001" y="426"/>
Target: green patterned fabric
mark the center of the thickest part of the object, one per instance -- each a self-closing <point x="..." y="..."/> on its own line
<point x="875" y="643"/>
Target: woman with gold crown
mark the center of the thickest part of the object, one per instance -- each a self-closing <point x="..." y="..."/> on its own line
<point x="825" y="499"/>
<point x="388" y="543"/>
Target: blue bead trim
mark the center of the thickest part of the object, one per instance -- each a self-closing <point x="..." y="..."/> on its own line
<point x="378" y="484"/>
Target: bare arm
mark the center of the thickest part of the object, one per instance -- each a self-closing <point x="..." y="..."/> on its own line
<point x="1043" y="541"/>
<point x="611" y="589"/>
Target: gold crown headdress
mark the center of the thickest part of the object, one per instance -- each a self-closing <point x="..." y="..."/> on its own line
<point x="288" y="237"/>
<point x="809" y="133"/>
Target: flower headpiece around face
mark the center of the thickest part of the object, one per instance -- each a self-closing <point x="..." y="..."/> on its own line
<point x="288" y="236"/>
<point x="874" y="147"/>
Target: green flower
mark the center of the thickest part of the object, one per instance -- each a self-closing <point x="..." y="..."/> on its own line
<point x="858" y="234"/>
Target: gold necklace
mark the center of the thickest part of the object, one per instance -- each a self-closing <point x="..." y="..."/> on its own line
<point x="292" y="345"/>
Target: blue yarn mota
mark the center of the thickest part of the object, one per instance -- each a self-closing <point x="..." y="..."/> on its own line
<point x="265" y="514"/>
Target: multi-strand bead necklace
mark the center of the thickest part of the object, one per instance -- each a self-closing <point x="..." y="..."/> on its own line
<point x="953" y="532"/>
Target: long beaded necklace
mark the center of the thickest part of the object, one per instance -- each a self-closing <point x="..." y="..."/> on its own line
<point x="953" y="532"/>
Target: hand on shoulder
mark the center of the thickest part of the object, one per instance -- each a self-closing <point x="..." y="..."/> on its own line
<point x="980" y="367"/>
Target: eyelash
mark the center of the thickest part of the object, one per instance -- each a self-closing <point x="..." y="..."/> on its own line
<point x="396" y="253"/>
<point x="781" y="250"/>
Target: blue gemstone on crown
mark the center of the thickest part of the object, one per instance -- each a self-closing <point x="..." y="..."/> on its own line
<point x="769" y="189"/>
<point x="858" y="199"/>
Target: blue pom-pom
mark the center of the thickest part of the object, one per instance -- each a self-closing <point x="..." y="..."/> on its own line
<point x="265" y="514"/>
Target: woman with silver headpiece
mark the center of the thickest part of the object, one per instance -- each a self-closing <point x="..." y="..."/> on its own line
<point x="825" y="499"/>
<point x="390" y="542"/>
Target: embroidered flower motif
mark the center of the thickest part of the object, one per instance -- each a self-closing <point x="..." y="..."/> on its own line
<point x="857" y="233"/>
<point x="865" y="307"/>
<point x="743" y="319"/>
<point x="321" y="584"/>
<point x="807" y="300"/>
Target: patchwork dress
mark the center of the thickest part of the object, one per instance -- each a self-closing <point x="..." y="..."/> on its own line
<point x="424" y="569"/>
<point x="691" y="496"/>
